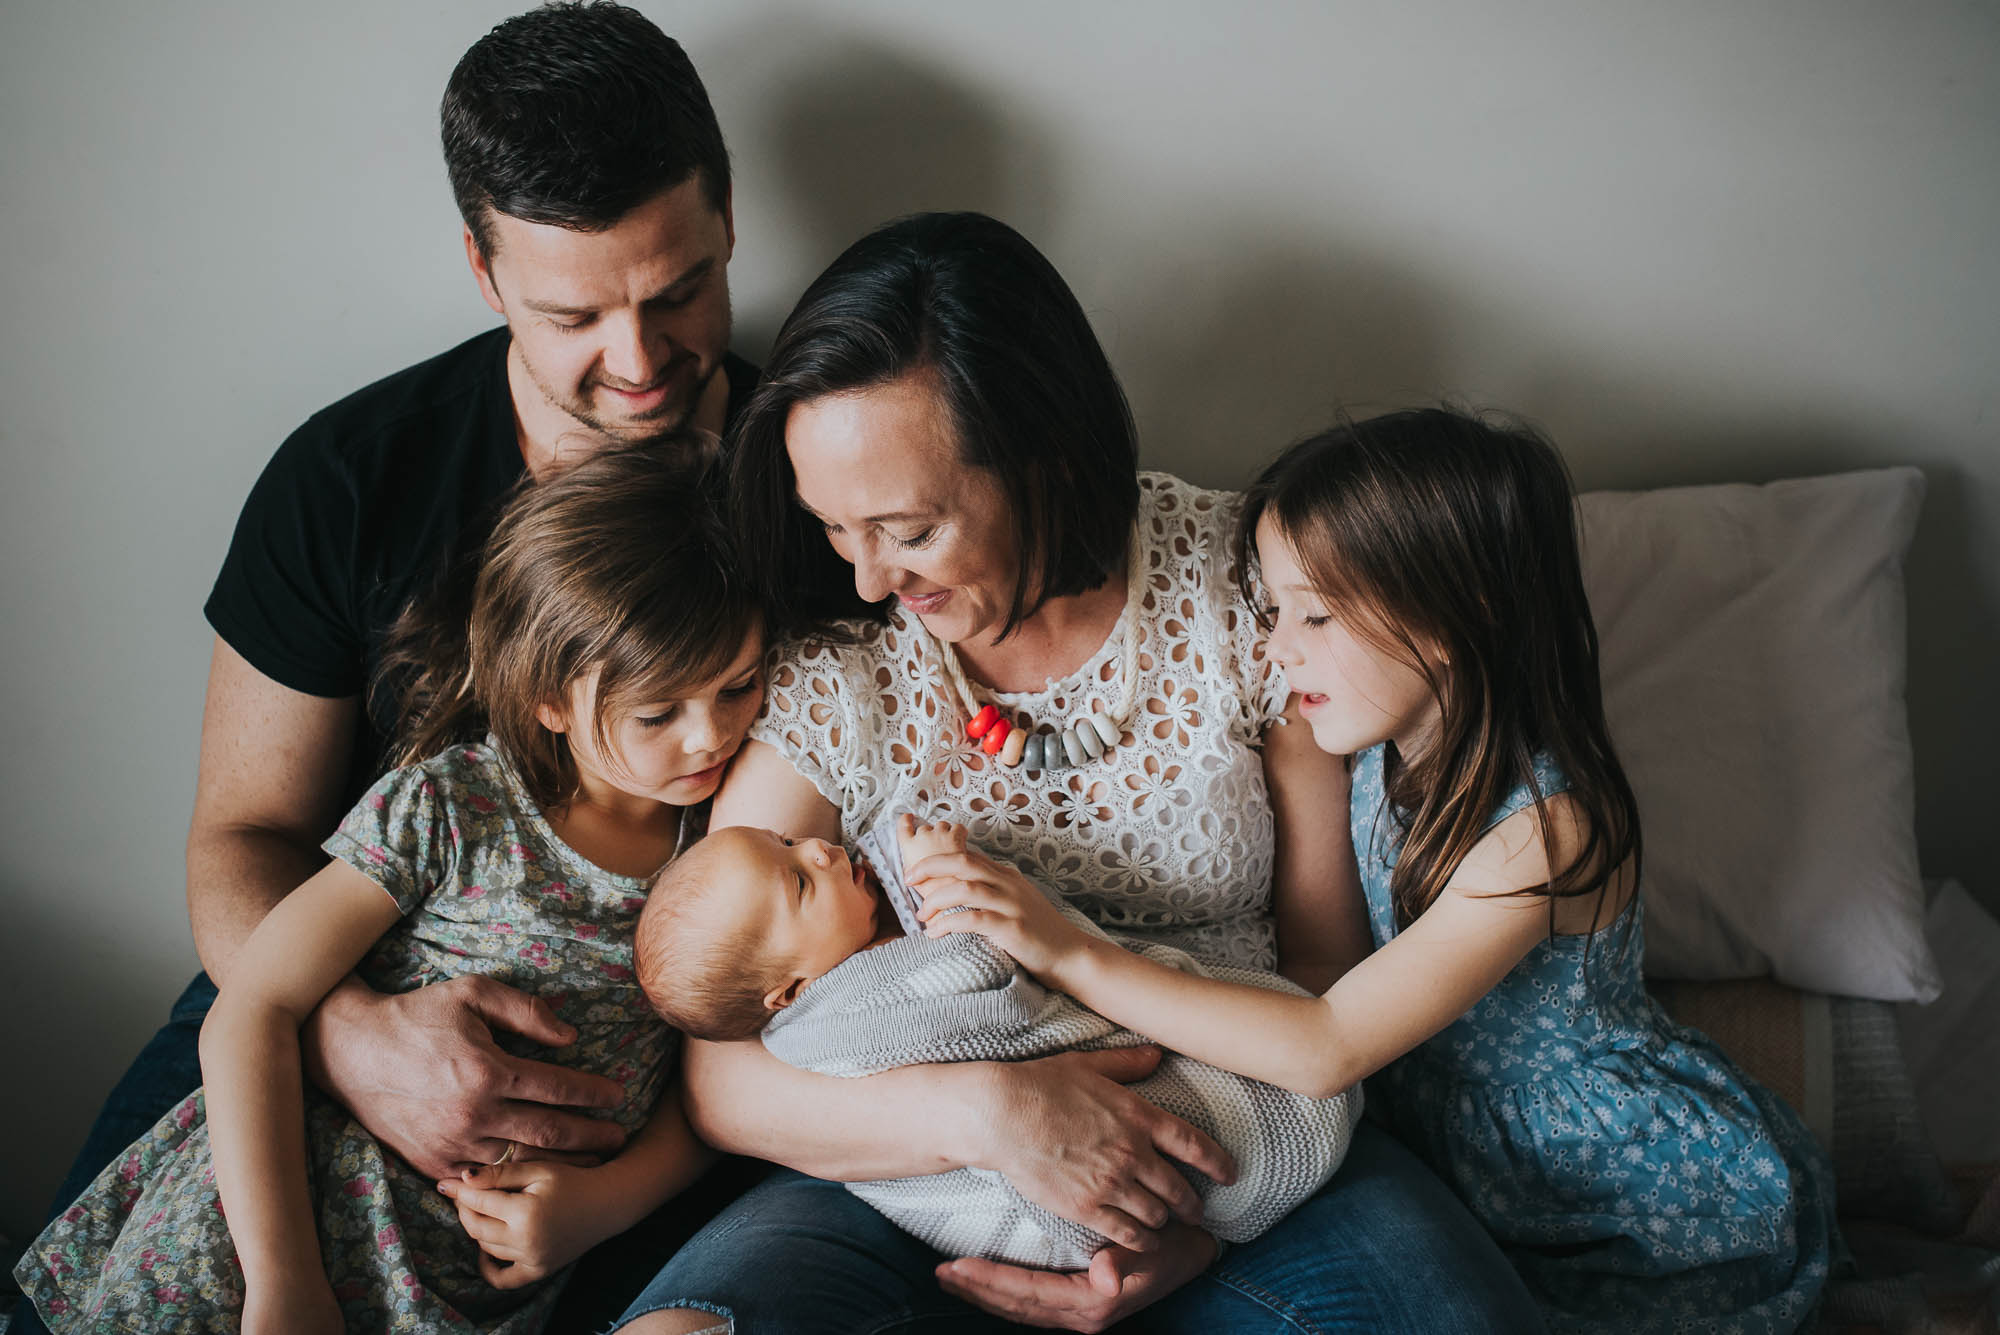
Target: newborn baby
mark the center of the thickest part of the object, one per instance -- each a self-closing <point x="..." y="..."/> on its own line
<point x="753" y="932"/>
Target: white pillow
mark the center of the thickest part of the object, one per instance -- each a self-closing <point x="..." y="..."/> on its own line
<point x="1753" y="656"/>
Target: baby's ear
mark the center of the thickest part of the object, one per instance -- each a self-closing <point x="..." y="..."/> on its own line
<point x="784" y="994"/>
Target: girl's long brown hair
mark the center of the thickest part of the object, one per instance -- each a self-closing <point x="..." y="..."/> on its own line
<point x="619" y="564"/>
<point x="1450" y="542"/>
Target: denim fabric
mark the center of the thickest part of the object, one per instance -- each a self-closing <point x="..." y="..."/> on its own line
<point x="1385" y="1246"/>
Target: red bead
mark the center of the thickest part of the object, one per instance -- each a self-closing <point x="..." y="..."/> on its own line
<point x="982" y="721"/>
<point x="996" y="736"/>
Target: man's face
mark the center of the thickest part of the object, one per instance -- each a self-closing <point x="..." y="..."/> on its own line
<point x="618" y="331"/>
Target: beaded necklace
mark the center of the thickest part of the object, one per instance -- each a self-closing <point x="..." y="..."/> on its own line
<point x="1018" y="743"/>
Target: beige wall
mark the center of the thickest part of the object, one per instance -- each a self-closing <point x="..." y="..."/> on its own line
<point x="1698" y="242"/>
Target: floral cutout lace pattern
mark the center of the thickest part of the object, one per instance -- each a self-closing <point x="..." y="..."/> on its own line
<point x="1169" y="836"/>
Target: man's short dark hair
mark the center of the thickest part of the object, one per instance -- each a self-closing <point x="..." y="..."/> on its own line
<point x="965" y="300"/>
<point x="575" y="114"/>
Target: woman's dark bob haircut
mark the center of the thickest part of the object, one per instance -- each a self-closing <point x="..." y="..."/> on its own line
<point x="964" y="300"/>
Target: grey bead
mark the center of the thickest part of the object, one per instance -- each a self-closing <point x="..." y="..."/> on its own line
<point x="1031" y="754"/>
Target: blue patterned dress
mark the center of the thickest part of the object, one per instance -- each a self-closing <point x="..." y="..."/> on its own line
<point x="486" y="887"/>
<point x="1634" y="1176"/>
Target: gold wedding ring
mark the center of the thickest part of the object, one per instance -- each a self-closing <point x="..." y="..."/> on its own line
<point x="506" y="1155"/>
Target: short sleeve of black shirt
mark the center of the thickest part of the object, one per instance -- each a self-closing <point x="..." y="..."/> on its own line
<point x="356" y="509"/>
<point x="360" y="508"/>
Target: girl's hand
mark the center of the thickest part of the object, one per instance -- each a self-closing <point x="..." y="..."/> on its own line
<point x="532" y="1219"/>
<point x="969" y="892"/>
<point x="306" y="1307"/>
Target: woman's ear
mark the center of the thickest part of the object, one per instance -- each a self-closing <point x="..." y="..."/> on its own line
<point x="552" y="716"/>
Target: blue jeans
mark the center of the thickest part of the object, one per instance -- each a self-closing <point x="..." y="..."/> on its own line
<point x="168" y="1069"/>
<point x="1385" y="1246"/>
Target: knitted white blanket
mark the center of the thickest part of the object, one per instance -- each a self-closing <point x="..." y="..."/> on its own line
<point x="959" y="998"/>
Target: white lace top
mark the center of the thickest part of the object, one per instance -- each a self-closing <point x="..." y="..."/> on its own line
<point x="1168" y="836"/>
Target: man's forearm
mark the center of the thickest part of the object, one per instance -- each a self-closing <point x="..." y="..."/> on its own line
<point x="235" y="874"/>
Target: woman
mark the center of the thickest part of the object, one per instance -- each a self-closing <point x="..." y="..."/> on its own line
<point x="938" y="409"/>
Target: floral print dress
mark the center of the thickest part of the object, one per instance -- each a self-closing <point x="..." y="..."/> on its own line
<point x="1634" y="1176"/>
<point x="486" y="887"/>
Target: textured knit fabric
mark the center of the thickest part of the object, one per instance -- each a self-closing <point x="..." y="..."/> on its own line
<point x="960" y="998"/>
<point x="1634" y="1176"/>
<point x="1169" y="836"/>
<point x="487" y="888"/>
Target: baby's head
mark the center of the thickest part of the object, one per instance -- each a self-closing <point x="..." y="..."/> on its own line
<point x="737" y="926"/>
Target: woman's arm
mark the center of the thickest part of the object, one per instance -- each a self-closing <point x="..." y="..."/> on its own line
<point x="1063" y="1130"/>
<point x="1428" y="976"/>
<point x="1322" y="920"/>
<point x="254" y="1087"/>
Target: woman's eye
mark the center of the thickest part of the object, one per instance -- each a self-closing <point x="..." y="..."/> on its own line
<point x="656" y="720"/>
<point x="915" y="540"/>
<point x="1314" y="622"/>
<point x="741" y="689"/>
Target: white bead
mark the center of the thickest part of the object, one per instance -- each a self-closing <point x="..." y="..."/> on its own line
<point x="1072" y="747"/>
<point x="1105" y="727"/>
<point x="1087" y="735"/>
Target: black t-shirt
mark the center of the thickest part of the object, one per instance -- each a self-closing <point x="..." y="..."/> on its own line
<point x="360" y="508"/>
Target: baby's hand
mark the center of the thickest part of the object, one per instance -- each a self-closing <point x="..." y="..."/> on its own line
<point x="963" y="890"/>
<point x="916" y="841"/>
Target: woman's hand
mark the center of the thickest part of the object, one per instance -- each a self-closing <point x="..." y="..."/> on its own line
<point x="1118" y="1283"/>
<point x="1068" y="1135"/>
<point x="967" y="891"/>
<point x="532" y="1219"/>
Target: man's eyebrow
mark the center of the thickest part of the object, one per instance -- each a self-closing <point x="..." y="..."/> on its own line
<point x="694" y="275"/>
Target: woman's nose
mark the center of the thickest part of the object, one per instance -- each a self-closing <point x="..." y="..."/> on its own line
<point x="874" y="579"/>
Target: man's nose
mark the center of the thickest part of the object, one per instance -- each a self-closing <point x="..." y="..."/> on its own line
<point x="631" y="354"/>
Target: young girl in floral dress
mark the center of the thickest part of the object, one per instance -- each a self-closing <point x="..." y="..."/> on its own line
<point x="614" y="669"/>
<point x="1426" y="600"/>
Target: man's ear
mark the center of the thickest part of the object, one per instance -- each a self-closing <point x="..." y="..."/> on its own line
<point x="482" y="272"/>
<point x="552" y="716"/>
<point x="785" y="993"/>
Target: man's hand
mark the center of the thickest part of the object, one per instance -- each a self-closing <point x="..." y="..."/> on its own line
<point x="421" y="1072"/>
<point x="1118" y="1283"/>
<point x="530" y="1220"/>
<point x="1071" y="1138"/>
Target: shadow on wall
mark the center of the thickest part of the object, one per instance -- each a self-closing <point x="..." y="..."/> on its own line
<point x="1260" y="332"/>
<point x="81" y="1013"/>
<point x="866" y="133"/>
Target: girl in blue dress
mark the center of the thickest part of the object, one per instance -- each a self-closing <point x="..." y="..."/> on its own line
<point x="1421" y="577"/>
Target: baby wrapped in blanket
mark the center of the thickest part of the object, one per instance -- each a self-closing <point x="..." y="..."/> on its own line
<point x="753" y="932"/>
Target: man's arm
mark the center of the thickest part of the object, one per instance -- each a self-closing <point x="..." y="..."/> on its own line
<point x="419" y="1070"/>
<point x="274" y="763"/>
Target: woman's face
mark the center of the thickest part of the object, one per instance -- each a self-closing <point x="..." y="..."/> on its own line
<point x="881" y="469"/>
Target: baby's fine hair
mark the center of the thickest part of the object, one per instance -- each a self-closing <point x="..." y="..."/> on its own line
<point x="708" y="983"/>
<point x="1449" y="541"/>
<point x="619" y="564"/>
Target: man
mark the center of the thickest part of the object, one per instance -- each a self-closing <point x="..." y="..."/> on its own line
<point x="594" y="186"/>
